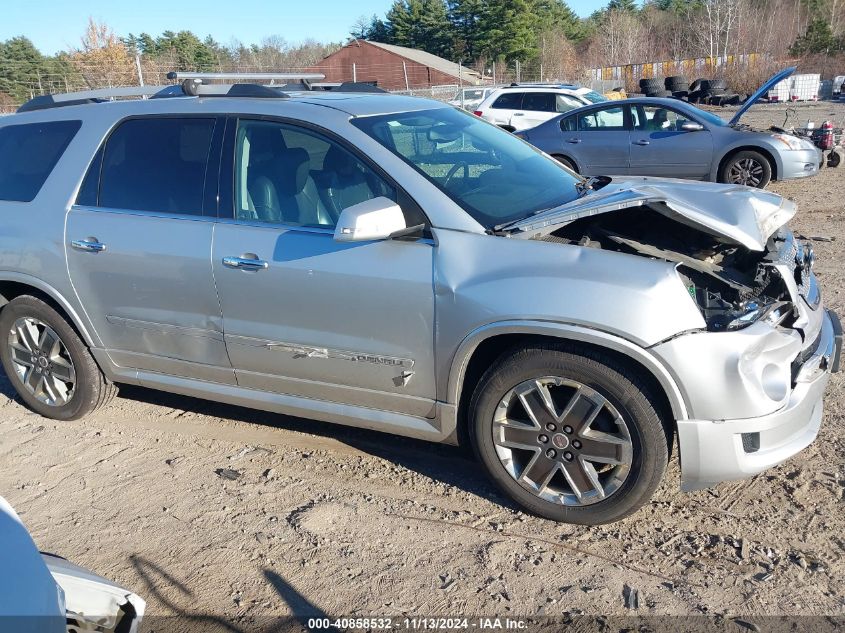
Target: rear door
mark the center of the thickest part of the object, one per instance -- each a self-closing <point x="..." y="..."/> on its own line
<point x="537" y="108"/>
<point x="138" y="244"/>
<point x="601" y="141"/>
<point x="660" y="147"/>
<point x="504" y="107"/>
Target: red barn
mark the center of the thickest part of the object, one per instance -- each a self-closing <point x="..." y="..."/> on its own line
<point x="392" y="67"/>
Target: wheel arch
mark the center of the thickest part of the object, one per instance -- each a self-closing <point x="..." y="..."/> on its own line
<point x="773" y="163"/>
<point x="13" y="285"/>
<point x="559" y="155"/>
<point x="484" y="345"/>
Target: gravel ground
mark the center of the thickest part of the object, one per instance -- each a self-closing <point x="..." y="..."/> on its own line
<point x="239" y="515"/>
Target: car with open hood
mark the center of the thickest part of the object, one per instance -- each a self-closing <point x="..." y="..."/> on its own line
<point x="671" y="138"/>
<point x="397" y="264"/>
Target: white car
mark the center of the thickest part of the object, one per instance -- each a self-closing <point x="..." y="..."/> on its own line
<point x="472" y="97"/>
<point x="522" y="106"/>
<point x="44" y="593"/>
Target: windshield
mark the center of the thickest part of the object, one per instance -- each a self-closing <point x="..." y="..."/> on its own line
<point x="491" y="174"/>
<point x="713" y="119"/>
<point x="593" y="97"/>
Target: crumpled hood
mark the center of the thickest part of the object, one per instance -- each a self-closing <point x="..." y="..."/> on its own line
<point x="734" y="213"/>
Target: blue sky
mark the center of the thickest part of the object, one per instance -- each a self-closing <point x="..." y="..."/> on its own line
<point x="55" y="25"/>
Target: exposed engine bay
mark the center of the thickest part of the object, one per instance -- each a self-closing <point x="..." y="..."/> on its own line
<point x="732" y="285"/>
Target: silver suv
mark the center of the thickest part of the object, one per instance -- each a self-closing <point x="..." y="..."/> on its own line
<point x="393" y="263"/>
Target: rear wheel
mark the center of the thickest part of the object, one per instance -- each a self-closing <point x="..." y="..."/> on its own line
<point x="47" y="363"/>
<point x="569" y="434"/>
<point x="748" y="168"/>
<point x="563" y="160"/>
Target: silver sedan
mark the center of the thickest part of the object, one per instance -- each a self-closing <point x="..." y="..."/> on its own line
<point x="672" y="138"/>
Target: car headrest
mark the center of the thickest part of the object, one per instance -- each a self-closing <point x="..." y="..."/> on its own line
<point x="339" y="161"/>
<point x="265" y="143"/>
<point x="291" y="170"/>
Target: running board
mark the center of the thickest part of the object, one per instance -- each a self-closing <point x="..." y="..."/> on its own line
<point x="349" y="415"/>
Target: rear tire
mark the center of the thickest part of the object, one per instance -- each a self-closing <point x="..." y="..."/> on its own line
<point x="47" y="363"/>
<point x="601" y="437"/>
<point x="563" y="160"/>
<point x="748" y="168"/>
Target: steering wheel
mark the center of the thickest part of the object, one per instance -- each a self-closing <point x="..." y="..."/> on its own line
<point x="454" y="170"/>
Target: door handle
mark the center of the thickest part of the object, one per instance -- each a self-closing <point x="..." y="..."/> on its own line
<point x="519" y="114"/>
<point x="245" y="263"/>
<point x="573" y="140"/>
<point x="89" y="244"/>
<point x="642" y="141"/>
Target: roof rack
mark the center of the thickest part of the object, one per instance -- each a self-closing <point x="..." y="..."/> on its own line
<point x="547" y="84"/>
<point x="194" y="85"/>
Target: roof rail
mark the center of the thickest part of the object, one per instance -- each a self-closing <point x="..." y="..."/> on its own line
<point x="286" y="77"/>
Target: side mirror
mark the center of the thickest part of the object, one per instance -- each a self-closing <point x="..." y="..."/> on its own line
<point x="691" y="126"/>
<point x="375" y="219"/>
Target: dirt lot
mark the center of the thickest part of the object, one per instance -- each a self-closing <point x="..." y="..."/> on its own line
<point x="325" y="519"/>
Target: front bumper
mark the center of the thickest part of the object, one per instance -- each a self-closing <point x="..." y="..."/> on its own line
<point x="719" y="450"/>
<point x="800" y="163"/>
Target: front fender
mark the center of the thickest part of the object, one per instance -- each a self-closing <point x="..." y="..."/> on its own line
<point x="568" y="332"/>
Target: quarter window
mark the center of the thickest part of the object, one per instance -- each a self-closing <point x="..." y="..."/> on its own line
<point x="156" y="164"/>
<point x="290" y="175"/>
<point x="28" y="154"/>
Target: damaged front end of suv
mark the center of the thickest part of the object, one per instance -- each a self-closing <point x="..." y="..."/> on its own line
<point x="753" y="375"/>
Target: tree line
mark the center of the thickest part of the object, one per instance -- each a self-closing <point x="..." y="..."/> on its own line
<point x="547" y="34"/>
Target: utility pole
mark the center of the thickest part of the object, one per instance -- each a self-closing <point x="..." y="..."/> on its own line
<point x="354" y="72"/>
<point x="518" y="75"/>
<point x="405" y="72"/>
<point x="461" y="81"/>
<point x="138" y="68"/>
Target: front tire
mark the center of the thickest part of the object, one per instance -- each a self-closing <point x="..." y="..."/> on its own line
<point x="47" y="363"/>
<point x="569" y="433"/>
<point x="748" y="168"/>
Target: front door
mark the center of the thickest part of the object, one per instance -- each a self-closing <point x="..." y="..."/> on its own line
<point x="660" y="147"/>
<point x="138" y="249"/>
<point x="306" y="315"/>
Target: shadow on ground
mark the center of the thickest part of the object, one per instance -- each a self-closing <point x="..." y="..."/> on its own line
<point x="452" y="465"/>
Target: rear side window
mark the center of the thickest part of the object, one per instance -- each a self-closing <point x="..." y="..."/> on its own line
<point x="156" y="164"/>
<point x="539" y="101"/>
<point x="569" y="124"/>
<point x="508" y="101"/>
<point x="28" y="154"/>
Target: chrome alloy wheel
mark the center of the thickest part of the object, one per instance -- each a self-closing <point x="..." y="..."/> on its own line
<point x="747" y="171"/>
<point x="42" y="361"/>
<point x="562" y="441"/>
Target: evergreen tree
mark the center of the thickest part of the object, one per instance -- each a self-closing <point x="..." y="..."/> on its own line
<point x="23" y="66"/>
<point x="818" y="38"/>
<point x="465" y="16"/>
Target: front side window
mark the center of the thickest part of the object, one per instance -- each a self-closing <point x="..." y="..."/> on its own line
<point x="28" y="154"/>
<point x="491" y="174"/>
<point x="539" y="101"/>
<point x="290" y="175"/>
<point x="565" y="103"/>
<point x="508" y="101"/>
<point x="658" y="119"/>
<point x="608" y="119"/>
<point x="156" y="164"/>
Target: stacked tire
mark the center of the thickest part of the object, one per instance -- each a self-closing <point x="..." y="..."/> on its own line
<point x="654" y="88"/>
